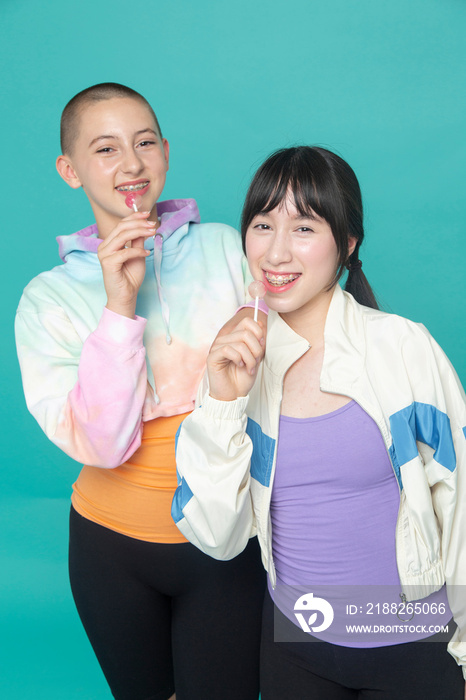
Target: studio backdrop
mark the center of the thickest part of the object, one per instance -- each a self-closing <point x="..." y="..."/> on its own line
<point x="382" y="83"/>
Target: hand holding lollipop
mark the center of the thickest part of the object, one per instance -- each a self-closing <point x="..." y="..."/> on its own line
<point x="123" y="274"/>
<point x="236" y="353"/>
<point x="257" y="290"/>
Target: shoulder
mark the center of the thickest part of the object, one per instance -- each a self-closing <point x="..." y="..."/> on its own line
<point x="408" y="346"/>
<point x="42" y="289"/>
<point x="70" y="285"/>
<point x="216" y="231"/>
<point x="391" y="328"/>
<point x="216" y="242"/>
<point x="389" y="337"/>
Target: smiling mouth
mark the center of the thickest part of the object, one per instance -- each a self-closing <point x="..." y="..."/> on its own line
<point x="133" y="188"/>
<point x="280" y="280"/>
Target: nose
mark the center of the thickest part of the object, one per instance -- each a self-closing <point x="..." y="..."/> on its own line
<point x="131" y="162"/>
<point x="278" y="251"/>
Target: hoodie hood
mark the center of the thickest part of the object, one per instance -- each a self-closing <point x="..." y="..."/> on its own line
<point x="173" y="214"/>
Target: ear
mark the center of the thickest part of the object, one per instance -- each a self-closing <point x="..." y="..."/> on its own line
<point x="67" y="171"/>
<point x="166" y="150"/>
<point x="352" y="242"/>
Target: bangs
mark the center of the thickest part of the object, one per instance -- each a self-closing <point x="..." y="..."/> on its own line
<point x="303" y="195"/>
<point x="298" y="173"/>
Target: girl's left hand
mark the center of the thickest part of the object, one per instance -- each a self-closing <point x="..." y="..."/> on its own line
<point x="233" y="360"/>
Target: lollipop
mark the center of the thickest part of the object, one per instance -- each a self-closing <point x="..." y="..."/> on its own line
<point x="133" y="201"/>
<point x="257" y="290"/>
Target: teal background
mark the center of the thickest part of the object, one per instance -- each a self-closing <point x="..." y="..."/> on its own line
<point x="381" y="82"/>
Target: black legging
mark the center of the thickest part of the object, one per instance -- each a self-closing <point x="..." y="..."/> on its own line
<point x="166" y="617"/>
<point x="306" y="670"/>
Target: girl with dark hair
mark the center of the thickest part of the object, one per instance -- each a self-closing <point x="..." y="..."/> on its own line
<point x="343" y="446"/>
<point x="322" y="183"/>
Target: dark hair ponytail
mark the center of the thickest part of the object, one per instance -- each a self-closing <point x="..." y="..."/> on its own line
<point x="320" y="182"/>
<point x="356" y="282"/>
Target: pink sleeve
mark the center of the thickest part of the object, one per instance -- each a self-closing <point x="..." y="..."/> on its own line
<point x="262" y="306"/>
<point x="103" y="414"/>
<point x="86" y="396"/>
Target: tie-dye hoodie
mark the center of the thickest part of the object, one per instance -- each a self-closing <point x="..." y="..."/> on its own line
<point x="90" y="376"/>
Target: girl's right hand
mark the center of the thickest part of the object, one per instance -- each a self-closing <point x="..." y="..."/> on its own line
<point x="124" y="267"/>
<point x="233" y="360"/>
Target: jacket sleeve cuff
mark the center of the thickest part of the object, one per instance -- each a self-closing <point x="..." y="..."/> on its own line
<point x="262" y="306"/>
<point x="121" y="330"/>
<point x="225" y="410"/>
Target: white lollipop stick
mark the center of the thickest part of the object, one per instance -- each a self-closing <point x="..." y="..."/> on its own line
<point x="257" y="290"/>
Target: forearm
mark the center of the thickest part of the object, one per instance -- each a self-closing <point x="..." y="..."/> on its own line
<point x="212" y="505"/>
<point x="87" y="397"/>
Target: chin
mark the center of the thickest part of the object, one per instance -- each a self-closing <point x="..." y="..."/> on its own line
<point x="281" y="306"/>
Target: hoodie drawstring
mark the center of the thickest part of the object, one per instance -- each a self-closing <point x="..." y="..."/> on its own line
<point x="158" y="242"/>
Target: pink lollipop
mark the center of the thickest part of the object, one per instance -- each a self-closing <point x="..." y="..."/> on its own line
<point x="133" y="201"/>
<point x="257" y="289"/>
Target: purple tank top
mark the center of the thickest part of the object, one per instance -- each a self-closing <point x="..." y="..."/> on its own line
<point x="334" y="509"/>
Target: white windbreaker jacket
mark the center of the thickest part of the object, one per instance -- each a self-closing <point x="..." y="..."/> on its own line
<point x="399" y="375"/>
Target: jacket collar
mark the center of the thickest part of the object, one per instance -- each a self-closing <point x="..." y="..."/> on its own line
<point x="344" y="338"/>
<point x="345" y="343"/>
<point x="284" y="345"/>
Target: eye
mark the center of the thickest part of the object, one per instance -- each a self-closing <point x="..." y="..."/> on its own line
<point x="105" y="149"/>
<point x="305" y="229"/>
<point x="261" y="227"/>
<point x="146" y="143"/>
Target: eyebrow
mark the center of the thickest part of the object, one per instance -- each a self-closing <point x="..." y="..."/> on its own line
<point x="105" y="137"/>
<point x="298" y="217"/>
<point x="303" y="217"/>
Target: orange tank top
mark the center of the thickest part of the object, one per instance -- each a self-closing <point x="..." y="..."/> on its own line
<point x="135" y="498"/>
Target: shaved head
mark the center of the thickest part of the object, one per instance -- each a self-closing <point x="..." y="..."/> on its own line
<point x="69" y="125"/>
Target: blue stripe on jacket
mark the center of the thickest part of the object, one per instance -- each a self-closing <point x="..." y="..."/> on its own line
<point x="262" y="453"/>
<point x="261" y="467"/>
<point x="423" y="423"/>
<point x="183" y="493"/>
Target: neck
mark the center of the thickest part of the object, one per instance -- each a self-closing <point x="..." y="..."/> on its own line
<point x="153" y="216"/>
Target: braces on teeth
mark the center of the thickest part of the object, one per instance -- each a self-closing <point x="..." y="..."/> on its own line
<point x="280" y="280"/>
<point x="132" y="188"/>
